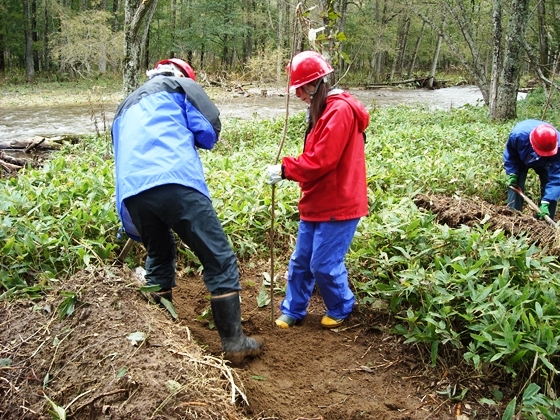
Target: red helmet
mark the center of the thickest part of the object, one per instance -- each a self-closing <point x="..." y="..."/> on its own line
<point x="544" y="139"/>
<point x="306" y="67"/>
<point x="182" y="65"/>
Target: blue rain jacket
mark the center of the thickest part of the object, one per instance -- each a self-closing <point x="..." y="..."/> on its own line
<point x="156" y="132"/>
<point x="519" y="156"/>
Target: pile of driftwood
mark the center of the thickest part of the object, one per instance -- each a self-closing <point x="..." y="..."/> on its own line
<point x="30" y="150"/>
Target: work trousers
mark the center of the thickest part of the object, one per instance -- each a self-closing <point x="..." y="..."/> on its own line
<point x="321" y="248"/>
<point x="160" y="211"/>
<point x="515" y="201"/>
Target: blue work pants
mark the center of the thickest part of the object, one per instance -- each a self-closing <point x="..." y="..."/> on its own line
<point x="321" y="248"/>
<point x="515" y="201"/>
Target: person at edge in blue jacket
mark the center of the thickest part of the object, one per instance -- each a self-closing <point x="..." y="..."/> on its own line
<point x="331" y="172"/>
<point x="533" y="144"/>
<point x="161" y="189"/>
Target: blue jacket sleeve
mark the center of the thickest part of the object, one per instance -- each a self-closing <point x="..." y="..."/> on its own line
<point x="511" y="156"/>
<point x="203" y="117"/>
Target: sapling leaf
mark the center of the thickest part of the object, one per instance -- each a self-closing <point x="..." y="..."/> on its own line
<point x="57" y="412"/>
<point x="509" y="412"/>
<point x="263" y="299"/>
<point x="170" y="308"/>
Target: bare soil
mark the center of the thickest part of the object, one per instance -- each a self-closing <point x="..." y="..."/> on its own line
<point x="90" y="365"/>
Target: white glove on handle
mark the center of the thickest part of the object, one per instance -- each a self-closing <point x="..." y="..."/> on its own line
<point x="274" y="173"/>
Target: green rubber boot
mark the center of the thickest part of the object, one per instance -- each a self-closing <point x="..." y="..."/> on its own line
<point x="237" y="346"/>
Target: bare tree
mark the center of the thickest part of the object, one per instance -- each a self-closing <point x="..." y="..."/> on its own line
<point x="506" y="63"/>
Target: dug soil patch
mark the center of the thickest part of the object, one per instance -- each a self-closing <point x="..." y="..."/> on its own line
<point x="114" y="356"/>
<point x="457" y="211"/>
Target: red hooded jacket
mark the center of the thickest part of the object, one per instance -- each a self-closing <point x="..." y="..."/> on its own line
<point x="331" y="170"/>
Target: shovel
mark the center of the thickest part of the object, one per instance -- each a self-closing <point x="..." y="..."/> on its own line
<point x="531" y="204"/>
<point x="126" y="249"/>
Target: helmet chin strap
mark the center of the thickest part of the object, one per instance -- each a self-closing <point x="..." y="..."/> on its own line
<point x="322" y="80"/>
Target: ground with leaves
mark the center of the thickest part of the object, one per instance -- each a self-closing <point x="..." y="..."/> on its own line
<point x="93" y="348"/>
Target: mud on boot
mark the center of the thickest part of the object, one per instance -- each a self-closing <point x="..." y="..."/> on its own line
<point x="226" y="310"/>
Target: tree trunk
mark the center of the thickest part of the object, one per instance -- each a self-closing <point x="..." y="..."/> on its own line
<point x="115" y="13"/>
<point x="29" y="67"/>
<point x="432" y="74"/>
<point x="134" y="13"/>
<point x="2" y="51"/>
<point x="46" y="52"/>
<point x="280" y="42"/>
<point x="416" y="50"/>
<point x="543" y="39"/>
<point x="403" y="44"/>
<point x="145" y="37"/>
<point x="506" y="104"/>
<point x="34" y="35"/>
<point x="496" y="56"/>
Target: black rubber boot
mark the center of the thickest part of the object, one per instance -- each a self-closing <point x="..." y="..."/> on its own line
<point x="227" y="317"/>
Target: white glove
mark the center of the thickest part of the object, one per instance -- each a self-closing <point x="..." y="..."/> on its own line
<point x="274" y="173"/>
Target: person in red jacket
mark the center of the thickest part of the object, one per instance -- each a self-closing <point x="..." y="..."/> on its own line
<point x="331" y="172"/>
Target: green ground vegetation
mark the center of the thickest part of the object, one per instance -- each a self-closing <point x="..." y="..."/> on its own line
<point x="490" y="298"/>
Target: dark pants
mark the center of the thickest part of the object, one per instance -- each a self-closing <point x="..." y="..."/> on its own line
<point x="515" y="201"/>
<point x="160" y="211"/>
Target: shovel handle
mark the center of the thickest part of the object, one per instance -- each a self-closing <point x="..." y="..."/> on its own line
<point x="125" y="251"/>
<point x="532" y="204"/>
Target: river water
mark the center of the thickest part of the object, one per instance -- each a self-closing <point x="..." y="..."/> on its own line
<point x="23" y="123"/>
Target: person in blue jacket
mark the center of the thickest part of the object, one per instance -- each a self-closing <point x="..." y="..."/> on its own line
<point x="161" y="189"/>
<point x="533" y="144"/>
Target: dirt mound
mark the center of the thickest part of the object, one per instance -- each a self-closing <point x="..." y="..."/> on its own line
<point x="457" y="211"/>
<point x="115" y="357"/>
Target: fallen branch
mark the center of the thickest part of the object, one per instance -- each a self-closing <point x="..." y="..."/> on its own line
<point x="8" y="167"/>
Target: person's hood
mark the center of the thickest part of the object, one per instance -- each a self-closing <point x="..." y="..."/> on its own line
<point x="360" y="111"/>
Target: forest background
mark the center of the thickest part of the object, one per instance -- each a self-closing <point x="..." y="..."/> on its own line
<point x="491" y="43"/>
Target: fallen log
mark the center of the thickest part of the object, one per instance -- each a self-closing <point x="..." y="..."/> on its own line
<point x="8" y="167"/>
<point x="39" y="142"/>
<point x="422" y="82"/>
<point x="13" y="160"/>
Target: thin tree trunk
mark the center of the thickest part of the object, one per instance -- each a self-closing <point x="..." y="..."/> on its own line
<point x="506" y="104"/>
<point x="115" y="11"/>
<point x="34" y="34"/>
<point x="402" y="47"/>
<point x="496" y="56"/>
<point x="145" y="37"/>
<point x="416" y="50"/>
<point x="2" y="51"/>
<point x="279" y="42"/>
<point x="433" y="68"/>
<point x="29" y="68"/>
<point x="543" y="39"/>
<point x="46" y="53"/>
